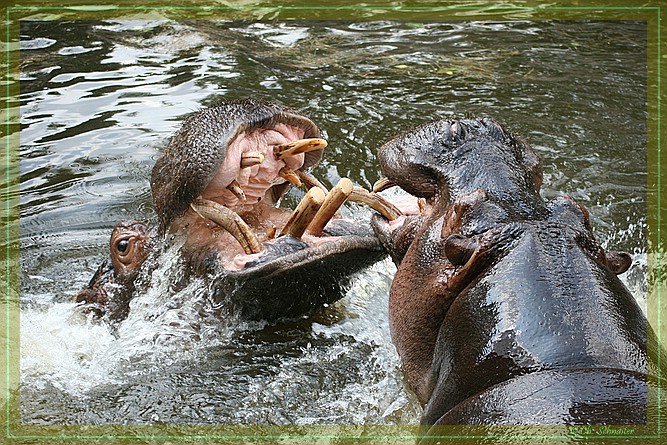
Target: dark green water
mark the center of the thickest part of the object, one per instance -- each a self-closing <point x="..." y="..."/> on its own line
<point x="99" y="101"/>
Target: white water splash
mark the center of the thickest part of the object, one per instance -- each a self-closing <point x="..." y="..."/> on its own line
<point x="75" y="353"/>
<point x="64" y="348"/>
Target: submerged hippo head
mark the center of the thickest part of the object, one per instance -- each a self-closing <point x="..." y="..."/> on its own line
<point x="493" y="282"/>
<point x="111" y="288"/>
<point x="215" y="191"/>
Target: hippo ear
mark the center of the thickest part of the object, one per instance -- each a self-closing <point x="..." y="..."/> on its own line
<point x="459" y="249"/>
<point x="532" y="164"/>
<point x="618" y="262"/>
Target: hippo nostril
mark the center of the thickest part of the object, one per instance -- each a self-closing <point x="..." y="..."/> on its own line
<point x="459" y="249"/>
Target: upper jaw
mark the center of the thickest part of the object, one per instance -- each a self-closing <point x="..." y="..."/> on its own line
<point x="193" y="158"/>
<point x="238" y="177"/>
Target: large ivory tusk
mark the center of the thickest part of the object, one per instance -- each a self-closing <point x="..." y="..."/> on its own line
<point x="310" y="181"/>
<point x="250" y="158"/>
<point x="376" y="202"/>
<point x="237" y="191"/>
<point x="290" y="176"/>
<point x="229" y="221"/>
<point x="383" y="184"/>
<point x="297" y="147"/>
<point x="334" y="199"/>
<point x="304" y="213"/>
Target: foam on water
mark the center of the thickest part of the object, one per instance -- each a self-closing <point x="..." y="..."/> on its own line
<point x="64" y="348"/>
<point x="167" y="328"/>
<point x="83" y="352"/>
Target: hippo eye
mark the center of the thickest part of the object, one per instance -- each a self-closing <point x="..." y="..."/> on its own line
<point x="122" y="245"/>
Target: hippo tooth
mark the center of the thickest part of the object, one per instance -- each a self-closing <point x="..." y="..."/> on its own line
<point x="229" y="221"/>
<point x="271" y="232"/>
<point x="250" y="158"/>
<point x="290" y="176"/>
<point x="304" y="213"/>
<point x="310" y="181"/>
<point x="334" y="199"/>
<point x="297" y="147"/>
<point x="236" y="189"/>
<point x="376" y="202"/>
<point x="383" y="184"/>
<point x="421" y="203"/>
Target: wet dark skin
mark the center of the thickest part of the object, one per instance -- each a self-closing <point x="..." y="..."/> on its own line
<point x="500" y="297"/>
<point x="285" y="276"/>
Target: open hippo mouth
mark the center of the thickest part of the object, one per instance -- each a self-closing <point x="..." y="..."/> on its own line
<point x="217" y="186"/>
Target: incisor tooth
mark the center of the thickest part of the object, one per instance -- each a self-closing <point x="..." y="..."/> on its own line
<point x="290" y="176"/>
<point x="334" y="199"/>
<point x="297" y="147"/>
<point x="383" y="184"/>
<point x="310" y="181"/>
<point x="304" y="213"/>
<point x="421" y="203"/>
<point x="250" y="158"/>
<point x="229" y="221"/>
<point x="376" y="202"/>
<point x="236" y="189"/>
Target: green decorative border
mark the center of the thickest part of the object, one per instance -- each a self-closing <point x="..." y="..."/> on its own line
<point x="11" y="430"/>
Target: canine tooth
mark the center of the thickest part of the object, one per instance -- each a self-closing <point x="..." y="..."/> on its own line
<point x="376" y="202"/>
<point x="236" y="189"/>
<point x="334" y="199"/>
<point x="230" y="221"/>
<point x="290" y="176"/>
<point x="383" y="184"/>
<point x="250" y="158"/>
<point x="310" y="181"/>
<point x="421" y="203"/>
<point x="304" y="213"/>
<point x="297" y="147"/>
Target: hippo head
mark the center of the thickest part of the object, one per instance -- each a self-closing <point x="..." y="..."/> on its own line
<point x="478" y="190"/>
<point x="111" y="287"/>
<point x="474" y="172"/>
<point x="216" y="191"/>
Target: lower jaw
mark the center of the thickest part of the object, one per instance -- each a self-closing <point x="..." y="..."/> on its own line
<point x="298" y="283"/>
<point x="203" y="240"/>
<point x="275" y="284"/>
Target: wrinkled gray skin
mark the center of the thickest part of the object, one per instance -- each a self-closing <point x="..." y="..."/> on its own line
<point x="504" y="308"/>
<point x="289" y="278"/>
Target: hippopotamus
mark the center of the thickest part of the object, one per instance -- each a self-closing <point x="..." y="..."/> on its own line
<point x="504" y="308"/>
<point x="112" y="285"/>
<point x="216" y="191"/>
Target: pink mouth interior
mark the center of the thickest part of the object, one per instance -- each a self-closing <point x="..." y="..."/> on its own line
<point x="255" y="180"/>
<point x="203" y="234"/>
